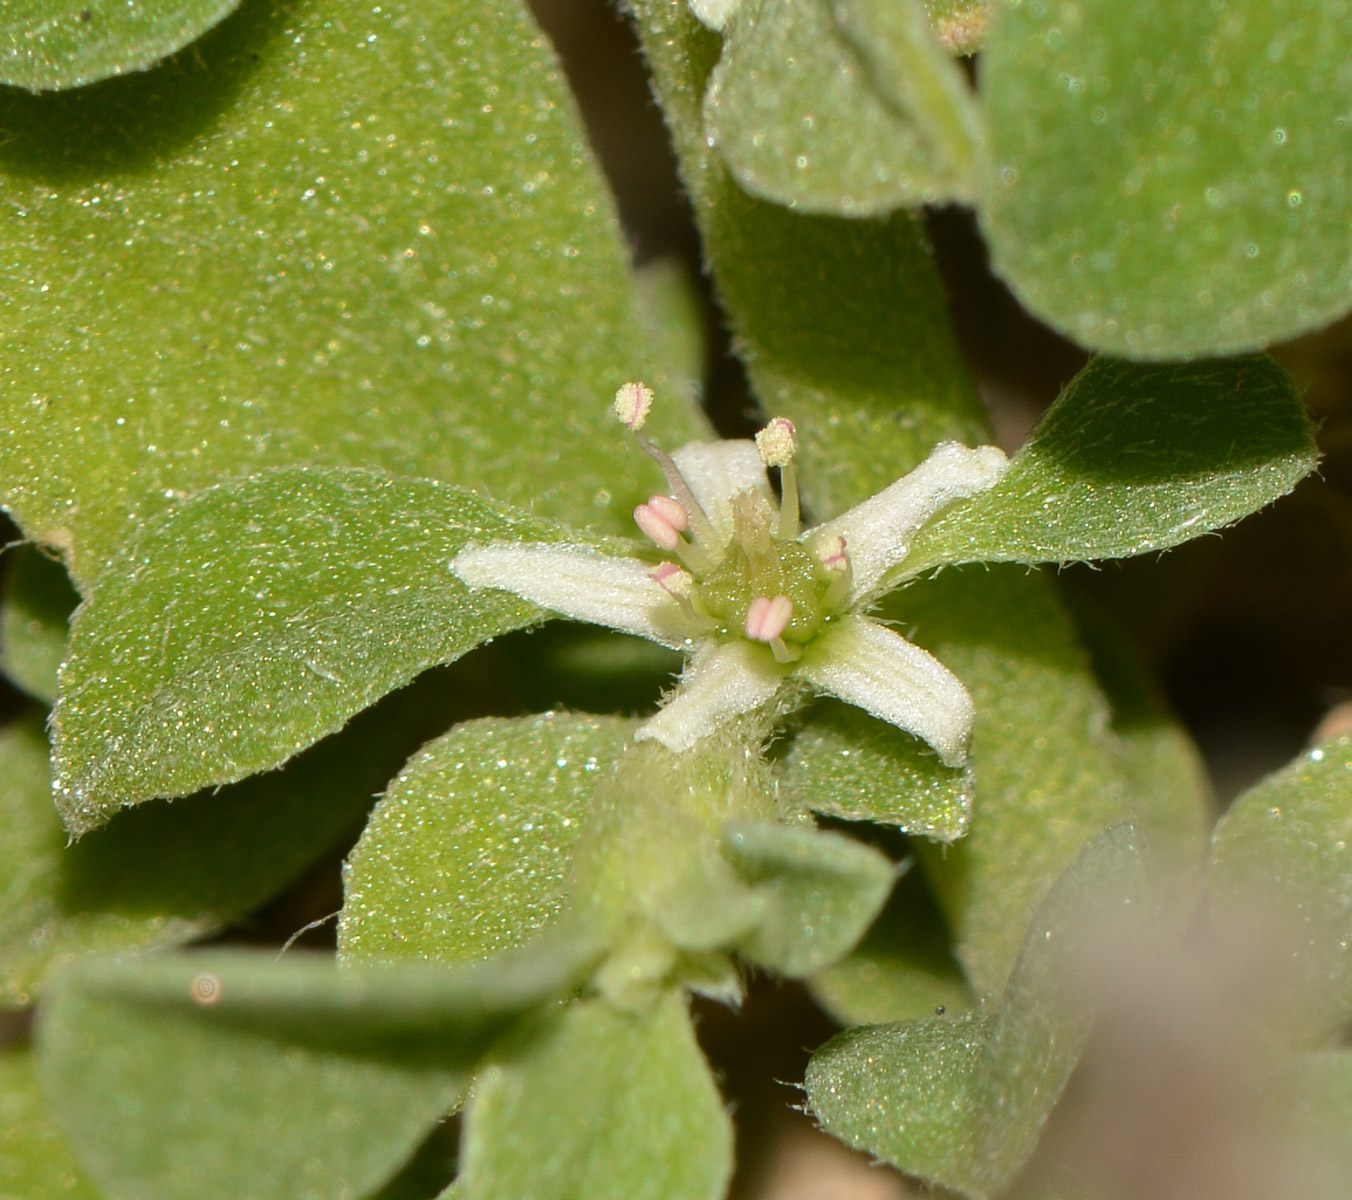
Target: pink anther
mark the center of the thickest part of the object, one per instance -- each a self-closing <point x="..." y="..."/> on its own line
<point x="662" y="532"/>
<point x="767" y="619"/>
<point x="670" y="511"/>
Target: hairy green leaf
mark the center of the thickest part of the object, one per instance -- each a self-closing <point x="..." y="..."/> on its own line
<point x="896" y="41"/>
<point x="903" y="968"/>
<point x="163" y="874"/>
<point x="326" y="236"/>
<point x="821" y="891"/>
<point x="1132" y="458"/>
<point x="845" y="763"/>
<point x="1175" y="184"/>
<point x="604" y="1104"/>
<point x="250" y="621"/>
<point x="856" y="349"/>
<point x="1281" y="873"/>
<point x="35" y="1161"/>
<point x="1048" y="768"/>
<point x="469" y="850"/>
<point x="960" y="1101"/>
<point x="34" y="621"/>
<point x="274" y="1080"/>
<point x="832" y="116"/>
<point x="51" y="44"/>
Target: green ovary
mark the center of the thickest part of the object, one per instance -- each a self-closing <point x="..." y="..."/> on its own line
<point x="780" y="569"/>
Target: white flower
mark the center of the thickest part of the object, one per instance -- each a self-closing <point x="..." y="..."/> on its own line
<point x="754" y="602"/>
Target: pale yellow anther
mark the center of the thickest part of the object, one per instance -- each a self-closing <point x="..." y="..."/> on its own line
<point x="633" y="402"/>
<point x="776" y="443"/>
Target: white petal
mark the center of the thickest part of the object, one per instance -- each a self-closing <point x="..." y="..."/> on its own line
<point x="577" y="582"/>
<point x="720" y="682"/>
<point x="718" y="471"/>
<point x="878" y="533"/>
<point x="868" y="665"/>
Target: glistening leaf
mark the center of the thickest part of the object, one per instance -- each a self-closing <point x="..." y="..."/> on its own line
<point x="960" y="1101"/>
<point x="820" y="892"/>
<point x="210" y="1056"/>
<point x="856" y="349"/>
<point x="337" y="236"/>
<point x="1049" y="774"/>
<point x="1135" y="457"/>
<point x="1281" y="871"/>
<point x="903" y="968"/>
<point x="845" y="763"/>
<point x="164" y="874"/>
<point x="259" y="616"/>
<point x="604" y="1104"/>
<point x="469" y="850"/>
<point x="51" y="44"/>
<point x="35" y="613"/>
<point x="796" y="109"/>
<point x="1175" y="184"/>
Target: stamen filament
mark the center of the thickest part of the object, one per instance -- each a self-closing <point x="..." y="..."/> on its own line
<point x="778" y="443"/>
<point x="700" y="525"/>
<point x="789" y="517"/>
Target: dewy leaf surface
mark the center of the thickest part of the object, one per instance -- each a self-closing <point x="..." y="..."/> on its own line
<point x="35" y="610"/>
<point x="1281" y="870"/>
<point x="845" y="763"/>
<point x="1132" y="458"/>
<point x="468" y="852"/>
<point x="51" y="44"/>
<point x="259" y="616"/>
<point x="604" y="1104"/>
<point x="275" y="1081"/>
<point x="1175" y="184"/>
<point x="795" y="110"/>
<point x="334" y="236"/>
<point x="163" y="874"/>
<point x="960" y="1101"/>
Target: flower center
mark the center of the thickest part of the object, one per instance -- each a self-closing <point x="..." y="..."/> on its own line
<point x="763" y="583"/>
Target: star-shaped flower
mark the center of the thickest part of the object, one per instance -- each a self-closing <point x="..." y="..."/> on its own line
<point x="756" y="603"/>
